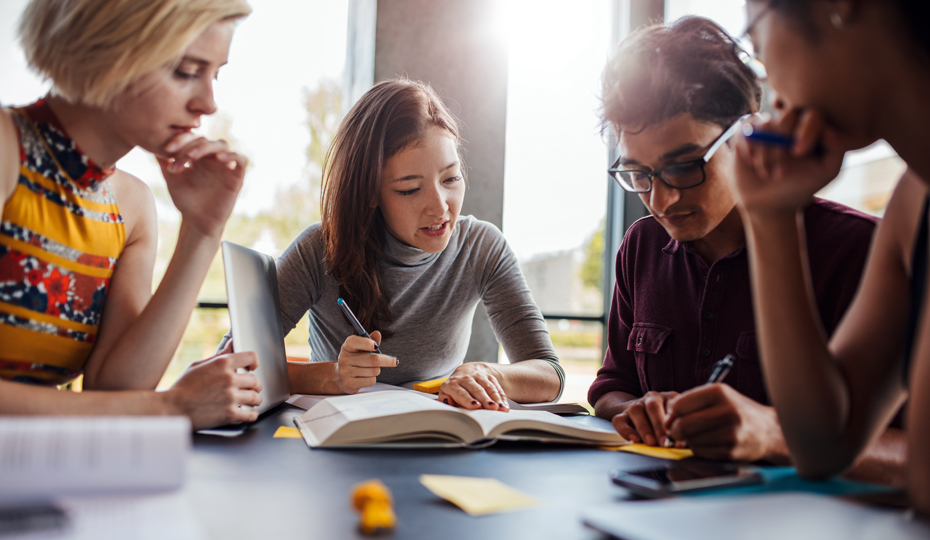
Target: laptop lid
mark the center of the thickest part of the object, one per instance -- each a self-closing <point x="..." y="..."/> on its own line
<point x="254" y="314"/>
<point x="799" y="516"/>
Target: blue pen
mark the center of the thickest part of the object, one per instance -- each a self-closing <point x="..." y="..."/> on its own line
<point x="766" y="137"/>
<point x="358" y="326"/>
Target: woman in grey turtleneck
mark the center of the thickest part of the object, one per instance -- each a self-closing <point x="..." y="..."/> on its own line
<point x="392" y="244"/>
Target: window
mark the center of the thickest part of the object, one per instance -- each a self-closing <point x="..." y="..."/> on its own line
<point x="555" y="186"/>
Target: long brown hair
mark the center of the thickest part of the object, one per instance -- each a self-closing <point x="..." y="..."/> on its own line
<point x="390" y="117"/>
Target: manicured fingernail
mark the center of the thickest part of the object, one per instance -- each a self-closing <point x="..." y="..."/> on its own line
<point x="396" y="362"/>
<point x="503" y="405"/>
<point x="475" y="402"/>
<point x="491" y="403"/>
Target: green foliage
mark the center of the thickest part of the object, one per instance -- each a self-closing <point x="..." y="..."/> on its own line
<point x="574" y="338"/>
<point x="592" y="269"/>
<point x="324" y="112"/>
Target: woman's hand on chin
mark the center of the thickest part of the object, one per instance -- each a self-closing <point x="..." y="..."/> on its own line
<point x="204" y="177"/>
<point x="773" y="180"/>
<point x="474" y="385"/>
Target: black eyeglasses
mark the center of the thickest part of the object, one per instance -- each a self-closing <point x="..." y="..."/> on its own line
<point x="682" y="175"/>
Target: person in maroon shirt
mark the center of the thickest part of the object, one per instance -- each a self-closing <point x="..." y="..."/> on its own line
<point x="682" y="299"/>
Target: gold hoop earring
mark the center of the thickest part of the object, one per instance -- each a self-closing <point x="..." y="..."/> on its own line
<point x="837" y="20"/>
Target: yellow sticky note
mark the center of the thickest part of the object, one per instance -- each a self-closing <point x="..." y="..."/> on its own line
<point x="477" y="496"/>
<point x="653" y="451"/>
<point x="285" y="432"/>
<point x="429" y="387"/>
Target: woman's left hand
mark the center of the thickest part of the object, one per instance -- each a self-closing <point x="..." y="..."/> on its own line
<point x="474" y="385"/>
<point x="204" y="177"/>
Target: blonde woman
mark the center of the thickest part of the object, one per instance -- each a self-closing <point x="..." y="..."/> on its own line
<point x="78" y="237"/>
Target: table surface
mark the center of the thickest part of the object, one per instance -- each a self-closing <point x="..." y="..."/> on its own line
<point x="256" y="486"/>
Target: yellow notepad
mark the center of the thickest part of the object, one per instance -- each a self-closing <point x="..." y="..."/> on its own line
<point x="285" y="432"/>
<point x="652" y="451"/>
<point x="429" y="387"/>
<point x="477" y="496"/>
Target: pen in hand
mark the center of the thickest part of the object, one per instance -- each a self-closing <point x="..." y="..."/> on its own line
<point x="771" y="138"/>
<point x="721" y="370"/>
<point x="358" y="326"/>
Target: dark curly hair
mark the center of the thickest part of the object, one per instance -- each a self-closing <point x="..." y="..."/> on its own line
<point x="690" y="66"/>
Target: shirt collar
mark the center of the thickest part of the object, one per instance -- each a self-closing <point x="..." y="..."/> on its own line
<point x="401" y="254"/>
<point x="79" y="168"/>
<point x="673" y="245"/>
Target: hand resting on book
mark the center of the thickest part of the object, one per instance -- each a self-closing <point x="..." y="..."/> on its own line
<point x="474" y="385"/>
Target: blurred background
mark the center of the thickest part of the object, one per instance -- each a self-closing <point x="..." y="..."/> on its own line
<point x="522" y="75"/>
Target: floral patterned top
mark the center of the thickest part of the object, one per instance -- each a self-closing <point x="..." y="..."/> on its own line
<point x="61" y="234"/>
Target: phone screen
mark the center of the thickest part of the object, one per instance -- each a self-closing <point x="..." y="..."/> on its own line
<point x="684" y="476"/>
<point x="682" y="472"/>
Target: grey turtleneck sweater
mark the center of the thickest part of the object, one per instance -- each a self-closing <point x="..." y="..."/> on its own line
<point x="433" y="299"/>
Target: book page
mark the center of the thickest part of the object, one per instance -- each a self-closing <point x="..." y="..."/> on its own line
<point x="368" y="418"/>
<point x="495" y="424"/>
<point x="307" y="401"/>
<point x="555" y="408"/>
<point x="51" y="456"/>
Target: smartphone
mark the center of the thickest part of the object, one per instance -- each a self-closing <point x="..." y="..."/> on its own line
<point x="684" y="476"/>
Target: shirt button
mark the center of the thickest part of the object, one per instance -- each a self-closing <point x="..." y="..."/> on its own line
<point x="708" y="314"/>
<point x="705" y="352"/>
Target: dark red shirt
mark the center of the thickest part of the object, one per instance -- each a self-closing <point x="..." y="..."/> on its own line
<point x="673" y="316"/>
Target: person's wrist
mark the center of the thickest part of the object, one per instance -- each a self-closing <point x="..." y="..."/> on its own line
<point x="199" y="233"/>
<point x="764" y="213"/>
<point x="772" y="222"/>
<point x="168" y="403"/>
<point x="334" y="382"/>
<point x="776" y="447"/>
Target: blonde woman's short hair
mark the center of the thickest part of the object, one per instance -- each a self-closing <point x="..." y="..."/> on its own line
<point x="92" y="50"/>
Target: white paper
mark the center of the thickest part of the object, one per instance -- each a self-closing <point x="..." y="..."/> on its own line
<point x="42" y="457"/>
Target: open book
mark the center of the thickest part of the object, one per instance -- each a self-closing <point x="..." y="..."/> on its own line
<point x="406" y="419"/>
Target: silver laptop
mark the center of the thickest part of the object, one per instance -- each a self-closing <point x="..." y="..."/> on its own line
<point x="798" y="516"/>
<point x="252" y="289"/>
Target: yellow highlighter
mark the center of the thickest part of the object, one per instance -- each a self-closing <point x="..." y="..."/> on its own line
<point x="429" y="387"/>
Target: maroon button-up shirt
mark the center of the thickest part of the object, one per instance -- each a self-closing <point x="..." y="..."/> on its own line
<point x="673" y="317"/>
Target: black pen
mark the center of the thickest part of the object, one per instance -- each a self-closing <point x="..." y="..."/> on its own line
<point x="721" y="370"/>
<point x="358" y="326"/>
